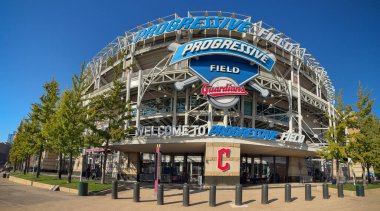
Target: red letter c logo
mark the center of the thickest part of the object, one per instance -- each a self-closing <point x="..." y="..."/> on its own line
<point x="226" y="166"/>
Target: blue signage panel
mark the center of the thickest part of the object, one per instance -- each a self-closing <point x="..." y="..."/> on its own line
<point x="242" y="132"/>
<point x="226" y="46"/>
<point x="211" y="22"/>
<point x="213" y="66"/>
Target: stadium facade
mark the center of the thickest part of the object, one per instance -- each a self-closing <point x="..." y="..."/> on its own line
<point x="218" y="98"/>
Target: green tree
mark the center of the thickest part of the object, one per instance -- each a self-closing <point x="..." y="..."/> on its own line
<point x="67" y="126"/>
<point x="41" y="114"/>
<point x="109" y="113"/>
<point x="336" y="135"/>
<point x="23" y="146"/>
<point x="362" y="146"/>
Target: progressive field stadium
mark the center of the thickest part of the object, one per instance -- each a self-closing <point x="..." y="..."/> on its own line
<point x="179" y="71"/>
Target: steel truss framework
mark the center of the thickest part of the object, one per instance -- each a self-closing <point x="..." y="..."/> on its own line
<point x="122" y="49"/>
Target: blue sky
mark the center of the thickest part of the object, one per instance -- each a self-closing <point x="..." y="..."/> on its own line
<point x="44" y="40"/>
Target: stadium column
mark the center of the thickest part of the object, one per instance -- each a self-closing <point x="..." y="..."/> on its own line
<point x="242" y="111"/>
<point x="209" y="119"/>
<point x="138" y="98"/>
<point x="299" y="98"/>
<point x="225" y="117"/>
<point x="128" y="88"/>
<point x="254" y="109"/>
<point x="187" y="106"/>
<point x="174" y="122"/>
<point x="290" y="96"/>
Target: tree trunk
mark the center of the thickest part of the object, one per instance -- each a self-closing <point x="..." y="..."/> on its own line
<point x="70" y="168"/>
<point x="368" y="175"/>
<point x="364" y="175"/>
<point x="60" y="166"/>
<point x="103" y="180"/>
<point x="25" y="161"/>
<point x="14" y="165"/>
<point x="337" y="172"/>
<point x="39" y="162"/>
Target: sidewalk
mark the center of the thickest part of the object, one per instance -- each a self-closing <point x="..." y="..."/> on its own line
<point x="20" y="197"/>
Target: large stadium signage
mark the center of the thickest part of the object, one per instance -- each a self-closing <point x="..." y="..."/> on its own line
<point x="217" y="131"/>
<point x="224" y="65"/>
<point x="188" y="23"/>
<point x="212" y="22"/>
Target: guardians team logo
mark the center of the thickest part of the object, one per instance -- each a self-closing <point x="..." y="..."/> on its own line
<point x="225" y="66"/>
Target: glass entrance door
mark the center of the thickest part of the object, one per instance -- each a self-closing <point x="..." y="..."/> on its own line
<point x="195" y="169"/>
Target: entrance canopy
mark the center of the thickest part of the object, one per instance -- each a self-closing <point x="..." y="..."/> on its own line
<point x="198" y="145"/>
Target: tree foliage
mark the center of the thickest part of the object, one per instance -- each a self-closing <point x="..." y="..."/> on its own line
<point x="108" y="114"/>
<point x="363" y="146"/>
<point x="67" y="126"/>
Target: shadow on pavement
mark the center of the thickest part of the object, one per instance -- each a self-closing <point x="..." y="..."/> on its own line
<point x="249" y="201"/>
<point x="197" y="203"/>
<point x="272" y="200"/>
<point x="293" y="199"/>
<point x="221" y="203"/>
<point x="173" y="202"/>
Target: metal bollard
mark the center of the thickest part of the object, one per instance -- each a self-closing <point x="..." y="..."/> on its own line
<point x="186" y="195"/>
<point x="307" y="192"/>
<point x="325" y="191"/>
<point x="239" y="195"/>
<point x="160" y="194"/>
<point x="83" y="189"/>
<point x="288" y="193"/>
<point x="264" y="194"/>
<point x="136" y="192"/>
<point x="340" y="190"/>
<point x="114" y="189"/>
<point x="212" y="201"/>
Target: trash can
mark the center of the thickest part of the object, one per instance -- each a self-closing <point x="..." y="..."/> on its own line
<point x="83" y="189"/>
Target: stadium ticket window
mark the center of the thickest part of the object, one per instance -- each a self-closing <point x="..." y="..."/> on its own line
<point x="267" y="168"/>
<point x="195" y="167"/>
<point x="166" y="168"/>
<point x="256" y="170"/>
<point x="147" y="167"/>
<point x="178" y="174"/>
<point x="245" y="169"/>
<point x="280" y="170"/>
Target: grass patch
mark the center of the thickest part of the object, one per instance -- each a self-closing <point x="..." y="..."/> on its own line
<point x="93" y="186"/>
<point x="352" y="187"/>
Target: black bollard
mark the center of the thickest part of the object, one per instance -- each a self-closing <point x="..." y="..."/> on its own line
<point x="212" y="201"/>
<point x="307" y="192"/>
<point x="136" y="192"/>
<point x="83" y="189"/>
<point x="160" y="195"/>
<point x="114" y="189"/>
<point x="325" y="191"/>
<point x="264" y="194"/>
<point x="186" y="195"/>
<point x="288" y="193"/>
<point x="340" y="190"/>
<point x="239" y="195"/>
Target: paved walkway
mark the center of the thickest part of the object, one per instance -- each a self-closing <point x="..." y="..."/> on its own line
<point x="19" y="197"/>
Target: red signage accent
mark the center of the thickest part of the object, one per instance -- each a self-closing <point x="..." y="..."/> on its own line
<point x="227" y="153"/>
<point x="218" y="91"/>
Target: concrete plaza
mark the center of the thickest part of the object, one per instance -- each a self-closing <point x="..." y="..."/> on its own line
<point x="20" y="197"/>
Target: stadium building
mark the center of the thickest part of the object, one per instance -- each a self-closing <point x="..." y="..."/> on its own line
<point x="218" y="98"/>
